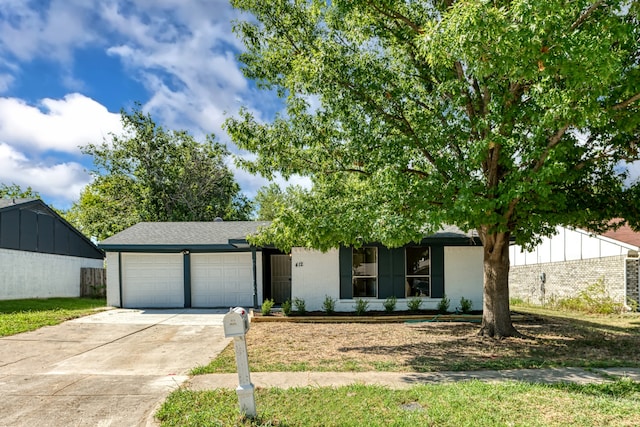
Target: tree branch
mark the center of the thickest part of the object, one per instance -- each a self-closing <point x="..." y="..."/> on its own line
<point x="553" y="142"/>
<point x="583" y="17"/>
<point x="625" y="104"/>
<point x="397" y="16"/>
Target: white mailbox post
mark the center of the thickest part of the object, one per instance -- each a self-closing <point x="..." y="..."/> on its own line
<point x="236" y="324"/>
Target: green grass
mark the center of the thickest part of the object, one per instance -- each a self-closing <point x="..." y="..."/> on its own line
<point x="460" y="404"/>
<point x="25" y="315"/>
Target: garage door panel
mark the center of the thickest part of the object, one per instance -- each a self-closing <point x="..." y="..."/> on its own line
<point x="221" y="280"/>
<point x="152" y="280"/>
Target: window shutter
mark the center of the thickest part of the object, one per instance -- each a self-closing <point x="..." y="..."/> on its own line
<point x="437" y="271"/>
<point x="346" y="266"/>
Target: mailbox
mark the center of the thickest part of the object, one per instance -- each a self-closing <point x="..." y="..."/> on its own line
<point x="236" y="322"/>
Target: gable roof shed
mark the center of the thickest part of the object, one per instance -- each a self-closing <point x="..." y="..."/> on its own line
<point x="30" y="225"/>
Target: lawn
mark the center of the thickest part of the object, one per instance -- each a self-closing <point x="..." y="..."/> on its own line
<point x="461" y="404"/>
<point x="25" y="315"/>
<point x="555" y="340"/>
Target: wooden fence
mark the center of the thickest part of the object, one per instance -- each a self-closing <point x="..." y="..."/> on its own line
<point x="93" y="282"/>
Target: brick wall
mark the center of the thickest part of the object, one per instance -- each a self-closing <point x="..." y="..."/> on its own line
<point x="566" y="279"/>
<point x="633" y="279"/>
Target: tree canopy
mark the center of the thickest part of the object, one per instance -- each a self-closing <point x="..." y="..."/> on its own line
<point x="507" y="117"/>
<point x="271" y="201"/>
<point x="152" y="174"/>
<point x="14" y="191"/>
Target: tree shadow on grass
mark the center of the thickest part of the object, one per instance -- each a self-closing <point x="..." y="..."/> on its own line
<point x="556" y="342"/>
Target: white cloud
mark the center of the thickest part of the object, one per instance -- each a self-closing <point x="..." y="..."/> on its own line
<point x="28" y="32"/>
<point x="182" y="51"/>
<point x="56" y="124"/>
<point x="60" y="183"/>
<point x="184" y="54"/>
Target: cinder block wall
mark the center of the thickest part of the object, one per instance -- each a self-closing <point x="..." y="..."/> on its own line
<point x="633" y="279"/>
<point x="566" y="279"/>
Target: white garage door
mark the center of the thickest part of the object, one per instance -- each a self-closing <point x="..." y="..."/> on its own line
<point x="152" y="280"/>
<point x="221" y="280"/>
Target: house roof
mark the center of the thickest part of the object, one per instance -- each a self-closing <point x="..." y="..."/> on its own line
<point x="453" y="232"/>
<point x="219" y="236"/>
<point x="5" y="203"/>
<point x="44" y="229"/>
<point x="183" y="235"/>
<point x="624" y="234"/>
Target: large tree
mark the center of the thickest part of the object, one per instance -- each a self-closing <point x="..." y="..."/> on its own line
<point x="507" y="117"/>
<point x="152" y="174"/>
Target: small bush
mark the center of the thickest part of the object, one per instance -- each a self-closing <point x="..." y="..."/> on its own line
<point x="329" y="305"/>
<point x="300" y="305"/>
<point x="465" y="305"/>
<point x="390" y="304"/>
<point x="594" y="300"/>
<point x="443" y="305"/>
<point x="632" y="304"/>
<point x="361" y="306"/>
<point x="286" y="307"/>
<point x="414" y="304"/>
<point x="266" y="307"/>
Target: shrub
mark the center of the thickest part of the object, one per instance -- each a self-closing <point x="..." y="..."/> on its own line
<point x="361" y="306"/>
<point x="300" y="305"/>
<point x="329" y="305"/>
<point x="632" y="304"/>
<point x="414" y="304"/>
<point x="390" y="304"/>
<point x="266" y="307"/>
<point x="465" y="305"/>
<point x="443" y="305"/>
<point x="286" y="307"/>
<point x="594" y="300"/>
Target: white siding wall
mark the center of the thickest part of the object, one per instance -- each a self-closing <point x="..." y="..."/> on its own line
<point x="318" y="275"/>
<point x="315" y="274"/>
<point x="113" y="280"/>
<point x="568" y="245"/>
<point x="463" y="275"/>
<point x="37" y="275"/>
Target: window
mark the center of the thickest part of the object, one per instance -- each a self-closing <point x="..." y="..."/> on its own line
<point x="365" y="272"/>
<point x="418" y="271"/>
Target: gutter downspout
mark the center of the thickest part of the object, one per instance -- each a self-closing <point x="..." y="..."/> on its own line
<point x="255" y="281"/>
<point x="120" y="279"/>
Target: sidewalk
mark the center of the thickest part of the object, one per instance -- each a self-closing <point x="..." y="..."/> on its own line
<point x="407" y="379"/>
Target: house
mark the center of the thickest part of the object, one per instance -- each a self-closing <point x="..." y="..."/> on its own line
<point x="573" y="259"/>
<point x="210" y="264"/>
<point x="41" y="254"/>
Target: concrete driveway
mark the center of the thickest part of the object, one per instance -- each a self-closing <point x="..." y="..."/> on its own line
<point x="113" y="368"/>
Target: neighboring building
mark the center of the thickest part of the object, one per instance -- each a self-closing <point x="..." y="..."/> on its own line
<point x="572" y="260"/>
<point x="210" y="264"/>
<point x="41" y="254"/>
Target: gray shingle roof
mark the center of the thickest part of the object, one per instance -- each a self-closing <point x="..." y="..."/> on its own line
<point x="452" y="231"/>
<point x="4" y="203"/>
<point x="184" y="233"/>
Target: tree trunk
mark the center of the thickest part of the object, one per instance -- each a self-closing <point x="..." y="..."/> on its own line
<point x="496" y="316"/>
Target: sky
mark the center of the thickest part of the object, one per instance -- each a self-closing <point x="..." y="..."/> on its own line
<point x="68" y="67"/>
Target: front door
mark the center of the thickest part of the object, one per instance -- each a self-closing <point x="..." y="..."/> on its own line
<point x="280" y="278"/>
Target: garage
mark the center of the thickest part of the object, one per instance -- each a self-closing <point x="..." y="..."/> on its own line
<point x="221" y="280"/>
<point x="184" y="264"/>
<point x="153" y="280"/>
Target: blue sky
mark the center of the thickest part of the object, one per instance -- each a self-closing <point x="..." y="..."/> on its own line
<point x="67" y="67"/>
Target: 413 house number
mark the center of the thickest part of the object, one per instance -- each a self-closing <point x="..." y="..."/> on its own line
<point x="299" y="264"/>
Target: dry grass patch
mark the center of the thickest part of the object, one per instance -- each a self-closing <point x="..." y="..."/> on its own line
<point x="421" y="347"/>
